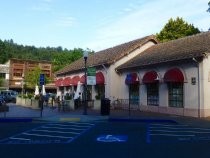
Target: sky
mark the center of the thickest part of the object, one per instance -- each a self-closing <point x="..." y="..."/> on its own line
<point x="93" y="24"/>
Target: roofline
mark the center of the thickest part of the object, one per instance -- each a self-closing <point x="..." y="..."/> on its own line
<point x="81" y="70"/>
<point x="38" y="61"/>
<point x="200" y="57"/>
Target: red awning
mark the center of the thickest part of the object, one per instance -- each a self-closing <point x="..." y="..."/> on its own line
<point x="174" y="75"/>
<point x="150" y="77"/>
<point x="75" y="80"/>
<point x="67" y="81"/>
<point x="100" y="78"/>
<point x="58" y="82"/>
<point x="82" y="79"/>
<point x="132" y="78"/>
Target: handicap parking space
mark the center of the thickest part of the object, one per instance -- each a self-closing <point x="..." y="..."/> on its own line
<point x="174" y="133"/>
<point x="50" y="133"/>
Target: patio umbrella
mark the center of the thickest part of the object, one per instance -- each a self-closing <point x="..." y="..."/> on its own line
<point x="43" y="90"/>
<point x="78" y="91"/>
<point x="36" y="90"/>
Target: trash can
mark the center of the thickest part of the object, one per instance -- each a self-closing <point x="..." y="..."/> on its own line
<point x="105" y="106"/>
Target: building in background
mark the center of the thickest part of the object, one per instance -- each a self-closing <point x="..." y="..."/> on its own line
<point x="4" y="76"/>
<point x="17" y="68"/>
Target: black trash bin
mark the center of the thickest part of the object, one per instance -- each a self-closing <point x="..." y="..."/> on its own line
<point x="105" y="106"/>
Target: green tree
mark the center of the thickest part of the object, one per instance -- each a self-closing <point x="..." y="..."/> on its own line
<point x="32" y="78"/>
<point x="208" y="10"/>
<point x="175" y="29"/>
<point x="1" y="82"/>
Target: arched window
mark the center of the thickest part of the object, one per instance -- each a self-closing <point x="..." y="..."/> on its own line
<point x="175" y="79"/>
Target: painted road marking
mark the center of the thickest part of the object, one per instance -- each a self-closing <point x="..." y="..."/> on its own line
<point x="70" y="119"/>
<point x="77" y="129"/>
<point x="50" y="133"/>
<point x="112" y="138"/>
<point x="61" y="125"/>
<point x="157" y="133"/>
<point x="54" y="131"/>
<point x="42" y="135"/>
<point x="19" y="138"/>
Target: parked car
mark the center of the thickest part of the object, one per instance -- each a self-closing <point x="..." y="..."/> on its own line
<point x="10" y="95"/>
<point x="2" y="100"/>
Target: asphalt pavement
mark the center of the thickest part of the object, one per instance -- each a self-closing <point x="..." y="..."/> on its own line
<point x="121" y="134"/>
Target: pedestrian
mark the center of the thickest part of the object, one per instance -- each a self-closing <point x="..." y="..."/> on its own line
<point x="53" y="101"/>
<point x="59" y="103"/>
<point x="41" y="103"/>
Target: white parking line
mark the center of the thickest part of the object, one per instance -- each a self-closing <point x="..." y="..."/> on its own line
<point x="55" y="131"/>
<point x="178" y="131"/>
<point x="51" y="136"/>
<point x="171" y="135"/>
<point x="187" y="128"/>
<point x="63" y="128"/>
<point x="160" y="125"/>
<point x="50" y="133"/>
<point x="80" y="123"/>
<point x="63" y="125"/>
<point x="16" y="138"/>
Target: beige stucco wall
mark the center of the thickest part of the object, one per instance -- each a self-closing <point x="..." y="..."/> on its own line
<point x="205" y="87"/>
<point x="113" y="80"/>
<point x="114" y="87"/>
<point x="191" y="99"/>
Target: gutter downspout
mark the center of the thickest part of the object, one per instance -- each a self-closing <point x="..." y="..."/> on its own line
<point x="199" y="104"/>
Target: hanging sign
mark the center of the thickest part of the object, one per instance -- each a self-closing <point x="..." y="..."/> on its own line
<point x="41" y="79"/>
<point x="91" y="76"/>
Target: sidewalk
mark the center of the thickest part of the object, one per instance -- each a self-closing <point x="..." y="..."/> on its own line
<point x="136" y="115"/>
<point x="49" y="114"/>
<point x="53" y="115"/>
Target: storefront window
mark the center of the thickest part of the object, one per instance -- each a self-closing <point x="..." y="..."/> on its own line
<point x="2" y="75"/>
<point x="153" y="94"/>
<point x="175" y="94"/>
<point x="134" y="94"/>
<point x="89" y="92"/>
<point x="100" y="91"/>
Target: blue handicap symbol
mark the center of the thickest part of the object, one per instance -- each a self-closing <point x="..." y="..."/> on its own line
<point x="112" y="138"/>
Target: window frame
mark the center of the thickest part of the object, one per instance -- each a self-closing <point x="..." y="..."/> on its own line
<point x="176" y="94"/>
<point x="153" y="94"/>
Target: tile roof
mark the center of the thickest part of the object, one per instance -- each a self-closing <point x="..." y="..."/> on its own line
<point x="183" y="48"/>
<point x="107" y="56"/>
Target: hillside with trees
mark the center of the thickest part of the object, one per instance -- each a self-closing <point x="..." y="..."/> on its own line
<point x="57" y="55"/>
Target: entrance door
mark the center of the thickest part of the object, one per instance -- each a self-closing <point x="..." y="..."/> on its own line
<point x="134" y="95"/>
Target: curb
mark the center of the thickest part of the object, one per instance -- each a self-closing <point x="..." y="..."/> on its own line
<point x="141" y="120"/>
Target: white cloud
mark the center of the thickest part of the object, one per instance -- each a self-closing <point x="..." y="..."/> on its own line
<point x="65" y="21"/>
<point x="149" y="18"/>
<point x="43" y="7"/>
<point x="48" y="1"/>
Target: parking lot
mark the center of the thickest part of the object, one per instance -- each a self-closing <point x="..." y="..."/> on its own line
<point x="103" y="139"/>
<point x="49" y="133"/>
<point x="74" y="135"/>
<point x="176" y="133"/>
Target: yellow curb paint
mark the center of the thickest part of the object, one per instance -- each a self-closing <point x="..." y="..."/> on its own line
<point x="70" y="119"/>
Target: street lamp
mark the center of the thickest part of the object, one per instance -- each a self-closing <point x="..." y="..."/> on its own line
<point x="85" y="56"/>
<point x="22" y="85"/>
